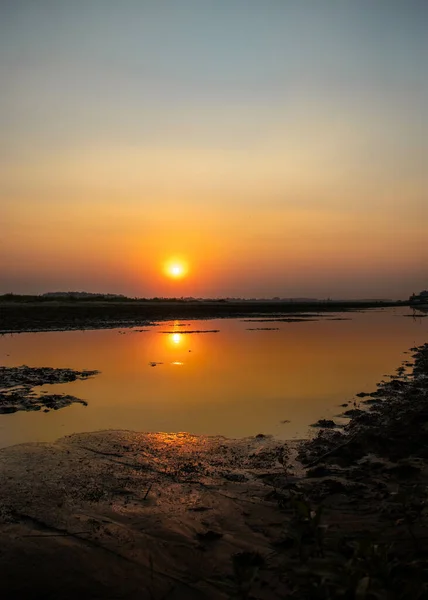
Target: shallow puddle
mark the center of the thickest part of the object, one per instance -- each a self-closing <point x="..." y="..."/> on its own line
<point x="238" y="382"/>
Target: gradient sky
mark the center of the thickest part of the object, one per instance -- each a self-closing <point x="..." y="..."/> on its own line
<point x="279" y="147"/>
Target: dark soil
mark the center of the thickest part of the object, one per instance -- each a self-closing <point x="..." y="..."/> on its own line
<point x="37" y="315"/>
<point x="262" y="328"/>
<point x="190" y="331"/>
<point x="17" y="388"/>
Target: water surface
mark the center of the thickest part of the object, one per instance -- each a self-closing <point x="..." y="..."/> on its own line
<point x="235" y="382"/>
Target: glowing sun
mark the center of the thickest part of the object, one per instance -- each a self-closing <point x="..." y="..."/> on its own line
<point x="175" y="269"/>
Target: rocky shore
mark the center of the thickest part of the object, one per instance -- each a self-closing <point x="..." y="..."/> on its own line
<point x="129" y="515"/>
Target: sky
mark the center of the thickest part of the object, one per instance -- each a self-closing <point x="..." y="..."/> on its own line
<point x="275" y="148"/>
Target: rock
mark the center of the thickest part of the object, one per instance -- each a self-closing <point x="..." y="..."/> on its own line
<point x="6" y="410"/>
<point x="404" y="470"/>
<point x="396" y="384"/>
<point x="319" y="471"/>
<point x="239" y="477"/>
<point x="334" y="486"/>
<point x="327" y="423"/>
<point x="352" y="412"/>
<point x="341" y="461"/>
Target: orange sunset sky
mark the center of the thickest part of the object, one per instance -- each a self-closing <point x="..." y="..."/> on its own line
<point x="275" y="148"/>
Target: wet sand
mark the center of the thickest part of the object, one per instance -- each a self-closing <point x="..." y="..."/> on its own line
<point x="127" y="515"/>
<point x="119" y="514"/>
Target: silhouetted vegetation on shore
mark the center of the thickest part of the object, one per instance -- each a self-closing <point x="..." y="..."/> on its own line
<point x="45" y="313"/>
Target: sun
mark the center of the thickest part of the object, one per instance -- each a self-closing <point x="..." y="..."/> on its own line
<point x="176" y="269"/>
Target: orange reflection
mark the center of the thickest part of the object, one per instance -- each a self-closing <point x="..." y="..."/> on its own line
<point x="178" y="442"/>
<point x="236" y="383"/>
<point x="176" y="338"/>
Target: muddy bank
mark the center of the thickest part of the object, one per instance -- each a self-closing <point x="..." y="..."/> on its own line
<point x="17" y="388"/>
<point x="358" y="521"/>
<point x="129" y="515"/>
<point x="190" y="331"/>
<point x="80" y="314"/>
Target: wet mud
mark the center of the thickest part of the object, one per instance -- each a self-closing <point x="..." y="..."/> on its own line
<point x="281" y="320"/>
<point x="192" y="331"/>
<point x="262" y="328"/>
<point x="128" y="515"/>
<point x="17" y="388"/>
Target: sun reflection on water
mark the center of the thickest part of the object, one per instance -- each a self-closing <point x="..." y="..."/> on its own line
<point x="176" y="342"/>
<point x="176" y="338"/>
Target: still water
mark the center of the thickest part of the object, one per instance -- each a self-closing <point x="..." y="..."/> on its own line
<point x="235" y="382"/>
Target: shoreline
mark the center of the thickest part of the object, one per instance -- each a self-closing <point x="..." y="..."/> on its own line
<point x="208" y="517"/>
<point x="20" y="317"/>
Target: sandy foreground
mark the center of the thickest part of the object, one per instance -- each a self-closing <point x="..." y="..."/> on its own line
<point x="118" y="514"/>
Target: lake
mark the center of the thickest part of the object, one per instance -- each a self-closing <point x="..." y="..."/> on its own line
<point x="236" y="379"/>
